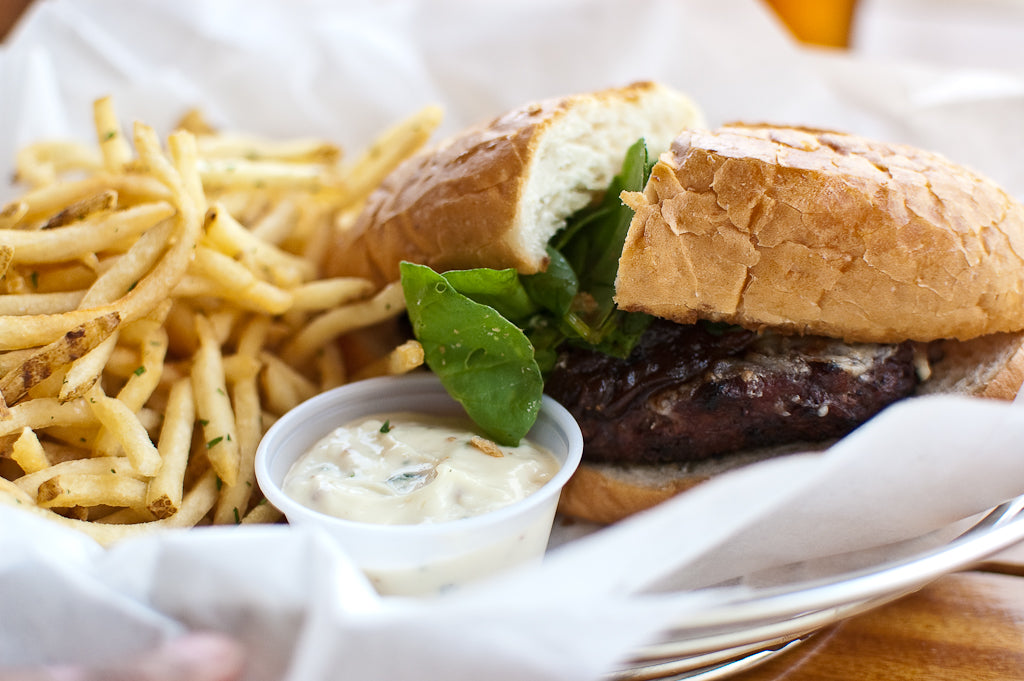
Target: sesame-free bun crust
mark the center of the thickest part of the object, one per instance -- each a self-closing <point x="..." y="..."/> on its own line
<point x="824" y="233"/>
<point x="494" y="195"/>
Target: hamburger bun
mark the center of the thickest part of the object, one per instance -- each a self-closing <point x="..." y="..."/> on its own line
<point x="824" y="233"/>
<point x="494" y="195"/>
<point x="793" y="230"/>
<point x="817" y="232"/>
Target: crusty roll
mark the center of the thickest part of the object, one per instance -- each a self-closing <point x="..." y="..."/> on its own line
<point x="822" y="233"/>
<point x="818" y="232"/>
<point x="494" y="195"/>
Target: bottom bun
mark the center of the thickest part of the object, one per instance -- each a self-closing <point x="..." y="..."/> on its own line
<point x="990" y="366"/>
<point x="605" y="493"/>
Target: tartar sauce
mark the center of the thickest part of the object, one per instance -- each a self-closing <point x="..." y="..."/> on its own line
<point x="407" y="468"/>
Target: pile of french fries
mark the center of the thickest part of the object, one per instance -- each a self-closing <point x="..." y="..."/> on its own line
<point x="162" y="304"/>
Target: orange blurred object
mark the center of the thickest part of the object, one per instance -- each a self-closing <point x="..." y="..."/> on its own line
<point x="819" y="22"/>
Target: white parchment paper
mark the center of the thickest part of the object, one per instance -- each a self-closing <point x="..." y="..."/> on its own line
<point x="345" y="70"/>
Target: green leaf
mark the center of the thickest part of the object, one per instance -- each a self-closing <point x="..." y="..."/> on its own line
<point x="490" y="335"/>
<point x="500" y="289"/>
<point x="484" y="361"/>
<point x="593" y="247"/>
<point x="556" y="287"/>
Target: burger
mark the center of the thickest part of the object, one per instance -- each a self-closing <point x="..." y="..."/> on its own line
<point x="756" y="290"/>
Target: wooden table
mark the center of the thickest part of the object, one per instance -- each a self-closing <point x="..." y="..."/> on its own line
<point x="967" y="626"/>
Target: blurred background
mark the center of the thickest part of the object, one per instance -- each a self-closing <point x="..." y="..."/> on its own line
<point x="963" y="33"/>
<point x="953" y="33"/>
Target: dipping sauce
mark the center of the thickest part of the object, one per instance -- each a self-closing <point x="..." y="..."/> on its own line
<point x="406" y="468"/>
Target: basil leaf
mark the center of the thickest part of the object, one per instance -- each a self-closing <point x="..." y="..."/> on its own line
<point x="484" y="361"/>
<point x="500" y="289"/>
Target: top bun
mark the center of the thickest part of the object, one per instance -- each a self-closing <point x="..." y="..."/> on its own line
<point x="817" y="232"/>
<point x="495" y="194"/>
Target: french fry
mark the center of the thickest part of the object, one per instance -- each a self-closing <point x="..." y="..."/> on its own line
<point x="117" y="465"/>
<point x="41" y="364"/>
<point x="331" y="367"/>
<point x="391" y="148"/>
<point x="13" y="358"/>
<point x="234" y="145"/>
<point x="104" y="202"/>
<point x="266" y="175"/>
<point x="165" y="491"/>
<point x="40" y="303"/>
<point x="85" y="371"/>
<point x="213" y="406"/>
<point x="129" y="268"/>
<point x="40" y="164"/>
<point x="262" y="513"/>
<point x="254" y="336"/>
<point x="142" y="382"/>
<point x="317" y="240"/>
<point x="401" y="360"/>
<point x="60" y="278"/>
<point x="6" y="256"/>
<point x="325" y="294"/>
<point x="284" y="386"/>
<point x="185" y="158"/>
<point x="49" y="200"/>
<point x="194" y="121"/>
<point x="238" y="284"/>
<point x="92" y="489"/>
<point x="116" y="417"/>
<point x="28" y="453"/>
<point x="12" y="213"/>
<point x="234" y="499"/>
<point x="196" y="504"/>
<point x="114" y="147"/>
<point x="232" y="239"/>
<point x="277" y="224"/>
<point x="93" y="233"/>
<point x="48" y="387"/>
<point x="389" y="302"/>
<point x="43" y="413"/>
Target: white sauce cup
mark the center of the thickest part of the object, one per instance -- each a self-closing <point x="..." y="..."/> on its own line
<point x="425" y="558"/>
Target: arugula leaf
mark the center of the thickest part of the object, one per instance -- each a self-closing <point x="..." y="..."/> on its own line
<point x="483" y="360"/>
<point x="593" y="248"/>
<point x="592" y="243"/>
<point x="556" y="287"/>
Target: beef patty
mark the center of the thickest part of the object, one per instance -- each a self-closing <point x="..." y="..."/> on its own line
<point x="690" y="392"/>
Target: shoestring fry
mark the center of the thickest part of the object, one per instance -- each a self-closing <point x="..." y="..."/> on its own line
<point x="162" y="303"/>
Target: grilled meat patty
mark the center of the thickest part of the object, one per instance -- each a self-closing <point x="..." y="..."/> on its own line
<point x="691" y="392"/>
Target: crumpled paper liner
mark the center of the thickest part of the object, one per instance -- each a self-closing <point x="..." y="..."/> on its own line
<point x="344" y="71"/>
